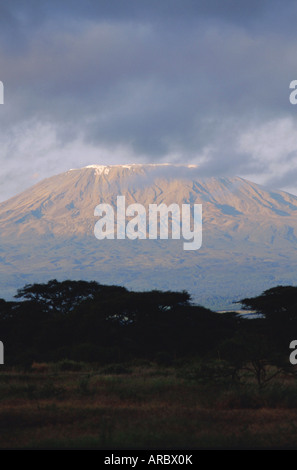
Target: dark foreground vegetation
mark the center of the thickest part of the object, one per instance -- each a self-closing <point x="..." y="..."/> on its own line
<point x="94" y="366"/>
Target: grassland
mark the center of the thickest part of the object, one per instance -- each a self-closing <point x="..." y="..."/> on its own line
<point x="142" y="406"/>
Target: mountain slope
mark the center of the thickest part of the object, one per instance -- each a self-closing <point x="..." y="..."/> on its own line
<point x="249" y="233"/>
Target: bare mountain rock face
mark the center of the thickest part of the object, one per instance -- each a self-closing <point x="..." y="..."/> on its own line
<point x="249" y="238"/>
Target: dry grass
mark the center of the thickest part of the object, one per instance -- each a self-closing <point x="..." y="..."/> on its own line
<point x="145" y="408"/>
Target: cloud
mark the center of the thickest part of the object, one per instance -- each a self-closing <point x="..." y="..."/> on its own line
<point x="273" y="148"/>
<point x="182" y="81"/>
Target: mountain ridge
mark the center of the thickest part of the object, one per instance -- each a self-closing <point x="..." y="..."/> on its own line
<point x="249" y="233"/>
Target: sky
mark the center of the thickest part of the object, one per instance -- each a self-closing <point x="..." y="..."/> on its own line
<point x="202" y="82"/>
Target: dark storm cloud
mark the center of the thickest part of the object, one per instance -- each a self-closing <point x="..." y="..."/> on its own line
<point x="19" y="12"/>
<point x="180" y="80"/>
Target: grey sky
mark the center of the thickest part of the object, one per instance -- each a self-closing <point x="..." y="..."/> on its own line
<point x="123" y="81"/>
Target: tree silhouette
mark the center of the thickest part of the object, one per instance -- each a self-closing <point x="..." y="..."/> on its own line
<point x="62" y="296"/>
<point x="278" y="308"/>
<point x="276" y="304"/>
<point x="81" y="319"/>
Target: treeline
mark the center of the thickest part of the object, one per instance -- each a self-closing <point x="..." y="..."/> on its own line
<point x="87" y="321"/>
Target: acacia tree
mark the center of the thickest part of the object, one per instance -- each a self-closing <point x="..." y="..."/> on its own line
<point x="63" y="296"/>
<point x="250" y="352"/>
<point x="278" y="304"/>
<point x="277" y="308"/>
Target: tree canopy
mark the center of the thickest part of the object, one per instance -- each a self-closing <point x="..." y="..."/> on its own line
<point x="88" y="321"/>
<point x="277" y="303"/>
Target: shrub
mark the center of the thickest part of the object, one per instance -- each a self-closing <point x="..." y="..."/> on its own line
<point x="115" y="369"/>
<point x="40" y="367"/>
<point x="69" y="365"/>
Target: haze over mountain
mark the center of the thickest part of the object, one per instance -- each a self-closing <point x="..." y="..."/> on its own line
<point x="249" y="234"/>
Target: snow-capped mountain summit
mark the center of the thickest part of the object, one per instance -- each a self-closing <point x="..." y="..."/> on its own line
<point x="249" y="233"/>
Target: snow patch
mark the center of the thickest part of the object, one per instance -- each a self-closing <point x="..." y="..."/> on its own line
<point x="105" y="169"/>
<point x="99" y="169"/>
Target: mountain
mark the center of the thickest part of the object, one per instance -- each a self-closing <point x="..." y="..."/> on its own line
<point x="249" y="238"/>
